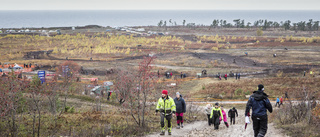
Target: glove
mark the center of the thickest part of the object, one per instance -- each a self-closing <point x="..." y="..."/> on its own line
<point x="247" y="120"/>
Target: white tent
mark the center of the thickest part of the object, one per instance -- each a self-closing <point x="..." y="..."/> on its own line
<point x="16" y="66"/>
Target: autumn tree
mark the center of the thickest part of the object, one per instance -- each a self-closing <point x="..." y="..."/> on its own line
<point x="11" y="90"/>
<point x="69" y="71"/>
<point x="133" y="89"/>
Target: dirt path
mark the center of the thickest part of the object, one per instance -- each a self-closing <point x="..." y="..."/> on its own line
<point x="183" y="131"/>
<point x="201" y="129"/>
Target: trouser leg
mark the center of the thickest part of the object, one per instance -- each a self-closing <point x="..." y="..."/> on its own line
<point x="209" y="120"/>
<point x="162" y="122"/>
<point x="216" y="122"/>
<point x="263" y="126"/>
<point x="256" y="125"/>
<point x="169" y="118"/>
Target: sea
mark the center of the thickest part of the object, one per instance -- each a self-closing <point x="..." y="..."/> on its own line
<point x="120" y="18"/>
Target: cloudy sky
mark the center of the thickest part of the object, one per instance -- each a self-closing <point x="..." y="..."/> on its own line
<point x="160" y="5"/>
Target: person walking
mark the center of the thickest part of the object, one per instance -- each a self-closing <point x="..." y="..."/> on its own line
<point x="286" y="95"/>
<point x="208" y="110"/>
<point x="238" y="76"/>
<point x="226" y="76"/>
<point x="232" y="114"/>
<point x="304" y="73"/>
<point x="181" y="108"/>
<point x="215" y="115"/>
<point x="281" y="101"/>
<point x="277" y="102"/>
<point x="181" y="75"/>
<point x="224" y="117"/>
<point x="167" y="109"/>
<point x="259" y="103"/>
<point x="170" y="74"/>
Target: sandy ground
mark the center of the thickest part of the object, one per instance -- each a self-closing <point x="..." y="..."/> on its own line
<point x="201" y="129"/>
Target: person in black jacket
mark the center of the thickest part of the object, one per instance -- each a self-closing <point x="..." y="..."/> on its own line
<point x="180" y="109"/>
<point x="259" y="103"/>
<point x="232" y="114"/>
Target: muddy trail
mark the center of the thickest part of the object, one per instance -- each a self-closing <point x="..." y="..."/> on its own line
<point x="202" y="129"/>
<point x="240" y="61"/>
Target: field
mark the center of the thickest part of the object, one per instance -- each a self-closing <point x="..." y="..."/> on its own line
<point x="278" y="60"/>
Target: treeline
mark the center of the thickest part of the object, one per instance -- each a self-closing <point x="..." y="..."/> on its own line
<point x="239" y="23"/>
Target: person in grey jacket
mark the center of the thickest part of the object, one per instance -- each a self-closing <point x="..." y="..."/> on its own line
<point x="208" y="112"/>
<point x="180" y="109"/>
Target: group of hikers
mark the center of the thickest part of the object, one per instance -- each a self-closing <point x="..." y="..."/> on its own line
<point x="217" y="114"/>
<point x="27" y="65"/>
<point x="258" y="102"/>
<point x="237" y="75"/>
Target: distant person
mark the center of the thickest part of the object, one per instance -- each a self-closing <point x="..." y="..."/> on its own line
<point x="311" y="73"/>
<point x="259" y="103"/>
<point x="304" y="73"/>
<point x="219" y="77"/>
<point x="286" y="95"/>
<point x="171" y="74"/>
<point x="215" y="115"/>
<point x="223" y="117"/>
<point x="158" y="74"/>
<point x="246" y="53"/>
<point x="208" y="110"/>
<point x="238" y="76"/>
<point x="277" y="102"/>
<point x="232" y="114"/>
<point x="181" y="108"/>
<point x="181" y="75"/>
<point x="226" y="76"/>
<point x="30" y="65"/>
<point x="281" y="101"/>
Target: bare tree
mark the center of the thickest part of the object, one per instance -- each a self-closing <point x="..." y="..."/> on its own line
<point x="133" y="89"/>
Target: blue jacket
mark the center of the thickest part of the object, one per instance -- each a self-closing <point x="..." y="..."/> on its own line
<point x="259" y="103"/>
<point x="278" y="100"/>
<point x="180" y="105"/>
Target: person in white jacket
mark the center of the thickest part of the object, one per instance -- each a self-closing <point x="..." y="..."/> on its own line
<point x="208" y="112"/>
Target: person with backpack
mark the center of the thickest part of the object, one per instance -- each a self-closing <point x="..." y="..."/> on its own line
<point x="223" y="117"/>
<point x="259" y="103"/>
<point x="181" y="108"/>
<point x="277" y="102"/>
<point x="281" y="101"/>
<point x="167" y="109"/>
<point x="208" y="110"/>
<point x="232" y="114"/>
<point x="215" y="115"/>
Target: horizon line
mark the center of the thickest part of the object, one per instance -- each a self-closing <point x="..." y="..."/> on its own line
<point x="160" y="9"/>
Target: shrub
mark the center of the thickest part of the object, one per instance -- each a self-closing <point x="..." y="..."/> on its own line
<point x="259" y="32"/>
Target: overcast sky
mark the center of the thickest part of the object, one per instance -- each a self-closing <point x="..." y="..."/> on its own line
<point x="160" y="4"/>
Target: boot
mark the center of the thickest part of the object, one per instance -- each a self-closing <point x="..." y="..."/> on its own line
<point x="181" y="125"/>
<point x="169" y="133"/>
<point x="162" y="133"/>
<point x="178" y="127"/>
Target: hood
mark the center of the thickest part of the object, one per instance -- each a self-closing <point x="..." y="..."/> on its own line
<point x="259" y="95"/>
<point x="179" y="98"/>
